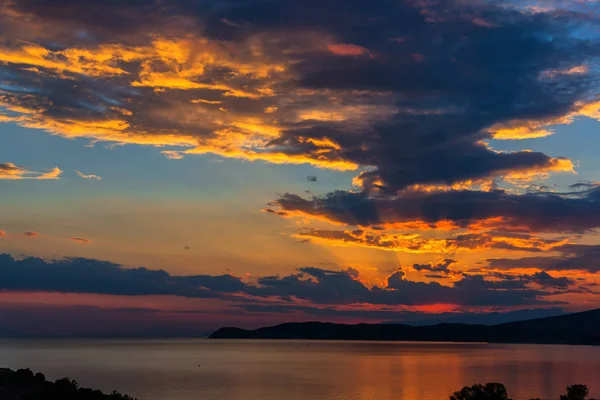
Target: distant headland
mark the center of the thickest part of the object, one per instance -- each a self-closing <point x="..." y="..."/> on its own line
<point x="576" y="329"/>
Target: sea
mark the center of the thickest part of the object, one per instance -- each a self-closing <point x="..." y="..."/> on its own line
<point x="205" y="369"/>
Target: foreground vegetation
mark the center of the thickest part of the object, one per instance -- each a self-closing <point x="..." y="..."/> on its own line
<point x="497" y="391"/>
<point x="25" y="385"/>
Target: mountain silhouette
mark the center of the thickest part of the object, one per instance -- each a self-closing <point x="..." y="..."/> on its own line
<point x="579" y="328"/>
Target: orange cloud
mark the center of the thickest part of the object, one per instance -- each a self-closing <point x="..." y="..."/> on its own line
<point x="229" y="151"/>
<point x="81" y="240"/>
<point x="532" y="129"/>
<point x="169" y="66"/>
<point x="522" y="130"/>
<point x="11" y="171"/>
<point x="557" y="165"/>
<point x="97" y="62"/>
<point x="418" y="244"/>
<point x="2" y="233"/>
<point x="409" y="243"/>
<point x="300" y="214"/>
<point x="415" y="226"/>
<point x="54" y="174"/>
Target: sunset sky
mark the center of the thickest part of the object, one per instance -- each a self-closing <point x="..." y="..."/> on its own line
<point x="176" y="166"/>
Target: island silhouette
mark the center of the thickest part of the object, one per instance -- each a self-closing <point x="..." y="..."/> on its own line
<point x="578" y="329"/>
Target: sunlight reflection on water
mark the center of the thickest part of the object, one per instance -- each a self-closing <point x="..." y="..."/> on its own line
<point x="298" y="370"/>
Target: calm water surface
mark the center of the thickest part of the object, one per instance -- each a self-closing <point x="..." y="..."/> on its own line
<point x="299" y="370"/>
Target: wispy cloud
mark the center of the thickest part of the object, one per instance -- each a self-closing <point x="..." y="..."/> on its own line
<point x="80" y="240"/>
<point x="173" y="154"/>
<point x="90" y="176"/>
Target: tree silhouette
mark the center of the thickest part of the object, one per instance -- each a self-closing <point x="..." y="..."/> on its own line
<point x="491" y="391"/>
<point x="24" y="385"/>
<point x="575" y="392"/>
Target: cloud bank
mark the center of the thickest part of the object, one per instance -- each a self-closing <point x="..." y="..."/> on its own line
<point x="315" y="285"/>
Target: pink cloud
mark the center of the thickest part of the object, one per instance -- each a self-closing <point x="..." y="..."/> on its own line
<point x="482" y="22"/>
<point x="342" y="49"/>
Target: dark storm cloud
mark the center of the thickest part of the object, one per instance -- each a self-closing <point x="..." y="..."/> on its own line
<point x="467" y="77"/>
<point x="545" y="279"/>
<point x="327" y="287"/>
<point x="406" y="88"/>
<point x="80" y="275"/>
<point x="75" y="21"/>
<point x="316" y="285"/>
<point x="551" y="212"/>
<point x="541" y="278"/>
<point x="478" y="282"/>
<point x="442" y="267"/>
<point x="471" y="290"/>
<point x="340" y="287"/>
<point x="572" y="257"/>
<point x="437" y="276"/>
